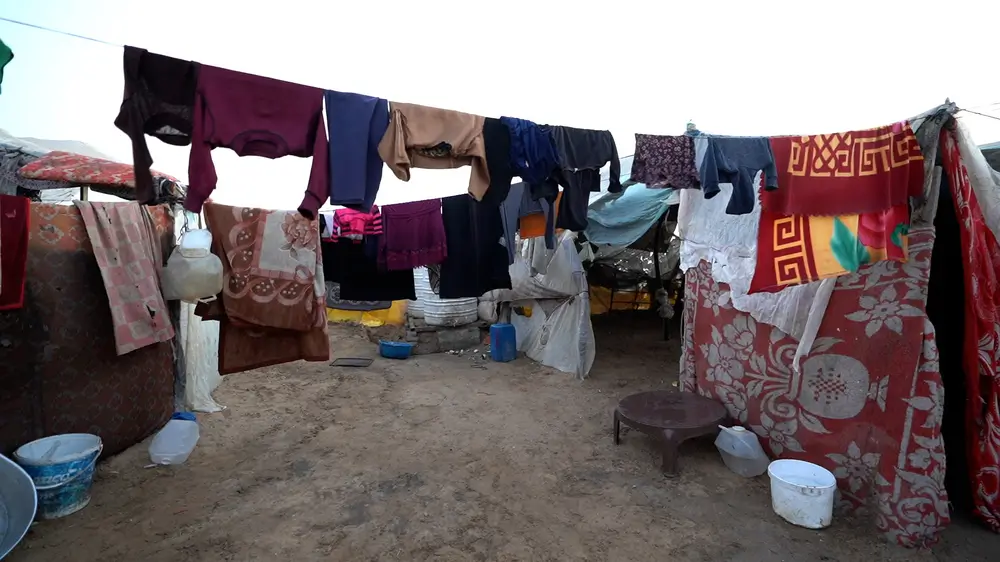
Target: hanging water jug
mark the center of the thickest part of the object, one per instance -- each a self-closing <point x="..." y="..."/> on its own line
<point x="193" y="273"/>
<point x="741" y="451"/>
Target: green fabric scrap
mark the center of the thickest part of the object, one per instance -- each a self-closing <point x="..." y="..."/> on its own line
<point x="6" y="55"/>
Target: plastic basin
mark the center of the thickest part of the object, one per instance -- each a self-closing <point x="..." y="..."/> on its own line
<point x="395" y="349"/>
<point x="802" y="493"/>
<point x="18" y="503"/>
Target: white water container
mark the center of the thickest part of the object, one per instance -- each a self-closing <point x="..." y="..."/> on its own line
<point x="802" y="493"/>
<point x="741" y="451"/>
<point x="422" y="288"/>
<point x="174" y="443"/>
<point x="437" y="311"/>
<point x="451" y="312"/>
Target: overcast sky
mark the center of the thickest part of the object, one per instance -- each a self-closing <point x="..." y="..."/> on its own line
<point x="733" y="67"/>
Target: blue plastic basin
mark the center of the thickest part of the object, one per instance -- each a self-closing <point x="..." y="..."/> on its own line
<point x="395" y="349"/>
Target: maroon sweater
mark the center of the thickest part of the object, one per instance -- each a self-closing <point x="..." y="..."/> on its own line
<point x="256" y="116"/>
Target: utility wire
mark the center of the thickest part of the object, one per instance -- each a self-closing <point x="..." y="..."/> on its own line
<point x="43" y="28"/>
<point x="980" y="114"/>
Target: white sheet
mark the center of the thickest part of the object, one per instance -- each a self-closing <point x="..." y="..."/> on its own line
<point x="729" y="243"/>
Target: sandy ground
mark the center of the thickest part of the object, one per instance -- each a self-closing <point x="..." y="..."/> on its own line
<point x="446" y="458"/>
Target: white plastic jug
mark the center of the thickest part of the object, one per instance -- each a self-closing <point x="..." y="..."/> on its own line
<point x="193" y="273"/>
<point x="175" y="442"/>
<point x="741" y="451"/>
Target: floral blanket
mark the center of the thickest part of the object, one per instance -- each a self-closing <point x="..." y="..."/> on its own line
<point x="273" y="304"/>
<point x="981" y="357"/>
<point x="868" y="402"/>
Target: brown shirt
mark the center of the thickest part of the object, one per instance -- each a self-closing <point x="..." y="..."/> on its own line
<point x="437" y="139"/>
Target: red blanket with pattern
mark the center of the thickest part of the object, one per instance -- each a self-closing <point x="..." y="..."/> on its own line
<point x="868" y="402"/>
<point x="982" y="337"/>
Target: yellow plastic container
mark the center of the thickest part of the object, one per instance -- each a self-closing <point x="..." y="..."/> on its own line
<point x="600" y="300"/>
<point x="395" y="315"/>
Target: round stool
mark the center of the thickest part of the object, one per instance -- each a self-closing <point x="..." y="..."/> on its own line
<point x="672" y="417"/>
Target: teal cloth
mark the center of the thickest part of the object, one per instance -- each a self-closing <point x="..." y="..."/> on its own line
<point x="619" y="219"/>
<point x="6" y="55"/>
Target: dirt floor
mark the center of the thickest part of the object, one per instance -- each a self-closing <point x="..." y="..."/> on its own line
<point x="447" y="458"/>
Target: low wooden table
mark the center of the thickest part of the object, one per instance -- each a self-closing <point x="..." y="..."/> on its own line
<point x="673" y="417"/>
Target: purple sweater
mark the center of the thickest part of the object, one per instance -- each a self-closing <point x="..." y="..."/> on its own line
<point x="256" y="116"/>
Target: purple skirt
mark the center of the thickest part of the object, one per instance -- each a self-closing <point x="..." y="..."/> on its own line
<point x="413" y="235"/>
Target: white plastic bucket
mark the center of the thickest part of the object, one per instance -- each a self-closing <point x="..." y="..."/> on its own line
<point x="802" y="493"/>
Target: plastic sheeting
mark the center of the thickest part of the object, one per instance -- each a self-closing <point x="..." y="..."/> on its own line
<point x="619" y="219"/>
<point x="201" y="355"/>
<point x="552" y="310"/>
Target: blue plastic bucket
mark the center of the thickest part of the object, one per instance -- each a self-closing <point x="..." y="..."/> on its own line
<point x="62" y="468"/>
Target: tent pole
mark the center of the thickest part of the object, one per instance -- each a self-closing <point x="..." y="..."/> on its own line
<point x="657" y="236"/>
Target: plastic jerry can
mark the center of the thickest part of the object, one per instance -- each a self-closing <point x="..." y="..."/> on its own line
<point x="503" y="342"/>
<point x="741" y="451"/>
<point x="174" y="443"/>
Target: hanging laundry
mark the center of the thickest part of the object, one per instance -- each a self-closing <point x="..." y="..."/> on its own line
<point x="582" y="153"/>
<point x="256" y="116"/>
<point x="356" y="124"/>
<point x="356" y="270"/>
<point x="14" y="223"/>
<point x="6" y="55"/>
<point x="665" y="161"/>
<point x="532" y="151"/>
<point x="413" y="236"/>
<point x="435" y="139"/>
<point x="538" y="218"/>
<point x="572" y="207"/>
<point x="158" y="101"/>
<point x="357" y="224"/>
<point x="327" y="229"/>
<point x="476" y="262"/>
<point x="796" y="249"/>
<point x="736" y="160"/>
<point x="272" y="308"/>
<point x="496" y="140"/>
<point x="845" y="173"/>
<point x="510" y="212"/>
<point x="129" y="255"/>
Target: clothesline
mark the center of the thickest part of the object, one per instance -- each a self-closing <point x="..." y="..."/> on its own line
<point x="119" y="45"/>
<point x="59" y="32"/>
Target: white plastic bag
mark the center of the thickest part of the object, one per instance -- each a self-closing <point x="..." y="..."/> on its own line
<point x="201" y="356"/>
<point x="193" y="273"/>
